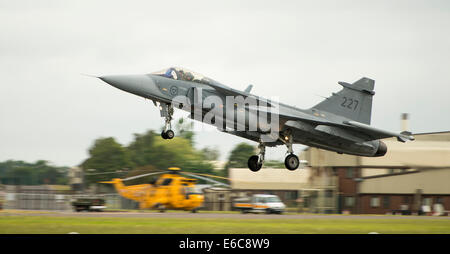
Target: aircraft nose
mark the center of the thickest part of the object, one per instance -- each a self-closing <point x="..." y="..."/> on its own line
<point x="128" y="83"/>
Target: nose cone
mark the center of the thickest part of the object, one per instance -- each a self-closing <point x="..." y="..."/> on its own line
<point x="128" y="83"/>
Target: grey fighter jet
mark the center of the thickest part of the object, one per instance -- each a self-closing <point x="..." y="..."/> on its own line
<point x="340" y="123"/>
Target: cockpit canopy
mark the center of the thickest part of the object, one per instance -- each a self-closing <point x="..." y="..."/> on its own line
<point x="182" y="74"/>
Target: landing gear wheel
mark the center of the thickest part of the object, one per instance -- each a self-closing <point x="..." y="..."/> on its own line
<point x="170" y="134"/>
<point x="254" y="164"/>
<point x="166" y="110"/>
<point x="291" y="162"/>
<point x="167" y="134"/>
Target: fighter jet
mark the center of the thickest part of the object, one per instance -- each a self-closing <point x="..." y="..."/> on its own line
<point x="340" y="123"/>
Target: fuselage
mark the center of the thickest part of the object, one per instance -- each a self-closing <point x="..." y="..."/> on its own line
<point x="184" y="94"/>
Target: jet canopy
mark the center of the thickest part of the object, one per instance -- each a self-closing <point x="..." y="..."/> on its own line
<point x="183" y="74"/>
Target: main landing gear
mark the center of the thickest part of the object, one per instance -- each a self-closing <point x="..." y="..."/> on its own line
<point x="166" y="111"/>
<point x="255" y="162"/>
<point x="291" y="161"/>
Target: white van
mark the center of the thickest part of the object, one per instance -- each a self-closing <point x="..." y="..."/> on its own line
<point x="260" y="203"/>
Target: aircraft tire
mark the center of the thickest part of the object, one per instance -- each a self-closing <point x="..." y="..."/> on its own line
<point x="170" y="134"/>
<point x="163" y="135"/>
<point x="253" y="164"/>
<point x="291" y="162"/>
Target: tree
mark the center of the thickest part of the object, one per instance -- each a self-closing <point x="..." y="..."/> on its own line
<point x="142" y="150"/>
<point x="140" y="171"/>
<point x="210" y="154"/>
<point x="106" y="155"/>
<point x="184" y="130"/>
<point x="151" y="149"/>
<point x="239" y="156"/>
<point x="179" y="152"/>
<point x="147" y="152"/>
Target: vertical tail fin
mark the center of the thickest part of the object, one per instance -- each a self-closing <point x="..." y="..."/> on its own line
<point x="354" y="101"/>
<point x="118" y="184"/>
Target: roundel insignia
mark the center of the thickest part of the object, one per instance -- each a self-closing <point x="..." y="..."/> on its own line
<point x="174" y="90"/>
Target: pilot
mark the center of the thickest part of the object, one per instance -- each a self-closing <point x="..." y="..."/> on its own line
<point x="182" y="75"/>
<point x="189" y="76"/>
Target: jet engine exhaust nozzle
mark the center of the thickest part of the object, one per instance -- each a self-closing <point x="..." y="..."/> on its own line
<point x="382" y="149"/>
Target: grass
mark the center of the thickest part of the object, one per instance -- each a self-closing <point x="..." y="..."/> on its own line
<point x="23" y="224"/>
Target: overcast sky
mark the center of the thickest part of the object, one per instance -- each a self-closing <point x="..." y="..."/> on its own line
<point x="295" y="50"/>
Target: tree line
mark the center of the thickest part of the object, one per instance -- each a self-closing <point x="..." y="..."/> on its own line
<point x="17" y="172"/>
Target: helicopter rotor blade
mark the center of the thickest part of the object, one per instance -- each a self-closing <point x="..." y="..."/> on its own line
<point x="205" y="178"/>
<point x="104" y="173"/>
<point x="213" y="176"/>
<point x="143" y="175"/>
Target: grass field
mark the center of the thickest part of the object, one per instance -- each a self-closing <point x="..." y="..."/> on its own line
<point x="108" y="225"/>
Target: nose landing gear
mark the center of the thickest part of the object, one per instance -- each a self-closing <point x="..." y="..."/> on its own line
<point x="167" y="134"/>
<point x="166" y="111"/>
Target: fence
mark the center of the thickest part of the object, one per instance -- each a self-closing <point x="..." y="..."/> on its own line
<point x="37" y="201"/>
<point x="41" y="199"/>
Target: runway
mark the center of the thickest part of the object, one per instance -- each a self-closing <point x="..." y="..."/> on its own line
<point x="211" y="215"/>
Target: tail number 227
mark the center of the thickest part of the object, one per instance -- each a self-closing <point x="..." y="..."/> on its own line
<point x="350" y="103"/>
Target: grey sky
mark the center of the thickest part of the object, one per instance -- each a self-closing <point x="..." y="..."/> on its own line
<point x="294" y="50"/>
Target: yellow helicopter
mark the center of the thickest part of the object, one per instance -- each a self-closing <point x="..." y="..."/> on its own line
<point x="171" y="190"/>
